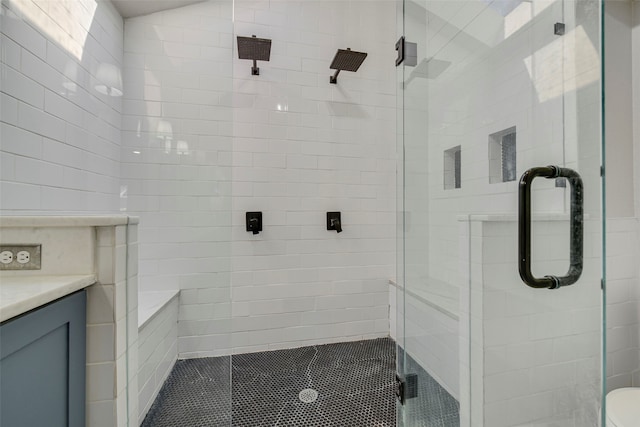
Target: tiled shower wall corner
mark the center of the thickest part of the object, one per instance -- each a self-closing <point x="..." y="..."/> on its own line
<point x="113" y="333"/>
<point x="298" y="146"/>
<point x="60" y="137"/>
<point x="176" y="163"/>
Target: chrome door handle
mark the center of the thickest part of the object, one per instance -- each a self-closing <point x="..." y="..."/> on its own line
<point x="576" y="226"/>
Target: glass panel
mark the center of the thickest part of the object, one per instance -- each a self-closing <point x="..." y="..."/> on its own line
<point x="427" y="307"/>
<point x="396" y="300"/>
<point x="176" y="176"/>
<point x="304" y="146"/>
<point x="506" y="354"/>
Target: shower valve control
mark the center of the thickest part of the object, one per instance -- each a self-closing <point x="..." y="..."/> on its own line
<point x="253" y="222"/>
<point x="20" y="257"/>
<point x="334" y="221"/>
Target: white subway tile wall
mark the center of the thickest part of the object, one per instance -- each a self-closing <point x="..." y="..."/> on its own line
<point x="60" y="146"/>
<point x="176" y="163"/>
<point x="303" y="147"/>
<point x="299" y="147"/>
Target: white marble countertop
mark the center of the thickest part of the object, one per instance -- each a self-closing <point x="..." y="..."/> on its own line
<point x="21" y="294"/>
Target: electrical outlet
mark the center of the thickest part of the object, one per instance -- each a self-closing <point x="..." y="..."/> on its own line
<point x="23" y="257"/>
<point x="20" y="257"/>
<point x="6" y="257"/>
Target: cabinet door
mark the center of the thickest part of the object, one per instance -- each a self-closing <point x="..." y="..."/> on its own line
<point x="42" y="366"/>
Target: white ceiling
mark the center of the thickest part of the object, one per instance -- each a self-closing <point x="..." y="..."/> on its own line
<point x="131" y="8"/>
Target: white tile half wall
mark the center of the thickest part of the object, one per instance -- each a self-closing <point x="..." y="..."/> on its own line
<point x="529" y="356"/>
<point x="299" y="147"/>
<point x="158" y="348"/>
<point x="623" y="303"/>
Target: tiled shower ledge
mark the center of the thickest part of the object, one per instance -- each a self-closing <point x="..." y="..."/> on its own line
<point x="151" y="302"/>
<point x="514" y="217"/>
<point x="446" y="304"/>
<point x="67" y="221"/>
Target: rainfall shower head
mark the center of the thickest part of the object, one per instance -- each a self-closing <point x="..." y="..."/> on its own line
<point x="255" y="49"/>
<point x="346" y="60"/>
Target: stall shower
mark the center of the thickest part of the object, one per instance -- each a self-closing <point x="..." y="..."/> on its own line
<point x="333" y="248"/>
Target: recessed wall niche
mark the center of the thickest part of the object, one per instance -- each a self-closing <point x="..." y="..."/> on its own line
<point x="502" y="156"/>
<point x="452" y="168"/>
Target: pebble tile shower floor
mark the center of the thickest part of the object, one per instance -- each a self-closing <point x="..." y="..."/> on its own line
<point x="355" y="382"/>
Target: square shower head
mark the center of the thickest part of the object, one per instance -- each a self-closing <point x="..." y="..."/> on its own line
<point x="254" y="48"/>
<point x="347" y="60"/>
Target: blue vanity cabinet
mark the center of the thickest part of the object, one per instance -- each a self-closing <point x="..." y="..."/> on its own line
<point x="42" y="365"/>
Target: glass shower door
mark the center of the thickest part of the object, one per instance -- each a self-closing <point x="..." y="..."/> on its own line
<point x="496" y="89"/>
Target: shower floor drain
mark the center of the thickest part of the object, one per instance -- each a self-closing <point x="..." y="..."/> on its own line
<point x="308" y="395"/>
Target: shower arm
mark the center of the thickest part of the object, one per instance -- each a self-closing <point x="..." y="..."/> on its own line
<point x="345" y="60"/>
<point x="334" y="79"/>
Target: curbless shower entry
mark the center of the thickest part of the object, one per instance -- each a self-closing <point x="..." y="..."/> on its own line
<point x="499" y="281"/>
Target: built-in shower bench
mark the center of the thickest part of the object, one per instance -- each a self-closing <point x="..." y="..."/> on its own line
<point x="158" y="343"/>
